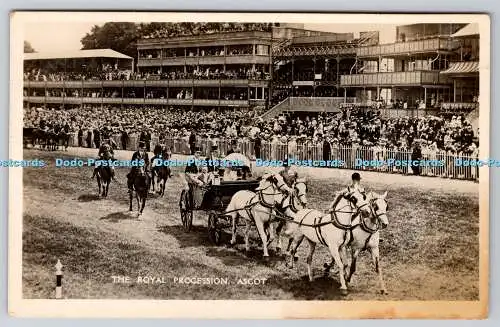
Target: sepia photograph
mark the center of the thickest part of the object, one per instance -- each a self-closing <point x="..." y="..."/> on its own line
<point x="305" y="165"/>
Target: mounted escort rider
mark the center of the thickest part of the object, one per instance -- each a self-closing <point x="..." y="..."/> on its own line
<point x="347" y="191"/>
<point x="140" y="154"/>
<point x="106" y="152"/>
<point x="284" y="179"/>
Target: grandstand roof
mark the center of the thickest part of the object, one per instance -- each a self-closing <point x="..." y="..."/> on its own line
<point x="94" y="53"/>
<point x="469" y="30"/>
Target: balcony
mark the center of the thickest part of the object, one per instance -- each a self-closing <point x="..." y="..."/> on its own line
<point x="203" y="39"/>
<point x="150" y="83"/>
<point x="204" y="60"/>
<point x="137" y="101"/>
<point x="395" y="78"/>
<point x="404" y="48"/>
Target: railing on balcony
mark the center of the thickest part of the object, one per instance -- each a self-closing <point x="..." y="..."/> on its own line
<point x="303" y="51"/>
<point x="150" y="83"/>
<point x="148" y="101"/>
<point x="394" y="78"/>
<point x="225" y="36"/>
<point x="420" y="46"/>
<point x="204" y="60"/>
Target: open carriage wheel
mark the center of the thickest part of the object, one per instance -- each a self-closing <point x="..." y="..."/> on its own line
<point x="214" y="233"/>
<point x="186" y="211"/>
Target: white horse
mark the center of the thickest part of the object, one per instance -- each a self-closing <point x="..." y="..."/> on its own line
<point x="331" y="230"/>
<point x="290" y="206"/>
<point x="255" y="207"/>
<point x="365" y="235"/>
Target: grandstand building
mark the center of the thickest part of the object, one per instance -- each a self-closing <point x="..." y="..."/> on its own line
<point x="230" y="69"/>
<point x="414" y="72"/>
<point x="60" y="79"/>
<point x="286" y="68"/>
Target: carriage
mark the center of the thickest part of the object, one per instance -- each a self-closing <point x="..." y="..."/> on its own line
<point x="214" y="198"/>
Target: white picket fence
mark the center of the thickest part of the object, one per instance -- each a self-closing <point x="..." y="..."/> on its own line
<point x="391" y="161"/>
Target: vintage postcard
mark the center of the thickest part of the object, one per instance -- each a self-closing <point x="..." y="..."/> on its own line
<point x="249" y="165"/>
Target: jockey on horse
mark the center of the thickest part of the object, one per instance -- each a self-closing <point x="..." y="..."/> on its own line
<point x="106" y="152"/>
<point x="284" y="179"/>
<point x="160" y="152"/>
<point x="140" y="154"/>
<point x="347" y="191"/>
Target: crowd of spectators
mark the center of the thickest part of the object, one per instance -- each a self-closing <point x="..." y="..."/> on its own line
<point x="169" y="30"/>
<point x="350" y="128"/>
<point x="116" y="74"/>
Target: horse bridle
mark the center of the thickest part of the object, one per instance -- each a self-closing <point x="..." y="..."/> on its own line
<point x="295" y="197"/>
<point x="373" y="214"/>
<point x="261" y="195"/>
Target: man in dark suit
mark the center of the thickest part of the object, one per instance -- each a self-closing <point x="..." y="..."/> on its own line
<point x="140" y="154"/>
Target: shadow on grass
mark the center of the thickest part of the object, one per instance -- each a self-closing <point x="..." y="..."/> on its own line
<point x="122" y="215"/>
<point x="236" y="255"/>
<point x="88" y="197"/>
<point x="321" y="288"/>
<point x="196" y="237"/>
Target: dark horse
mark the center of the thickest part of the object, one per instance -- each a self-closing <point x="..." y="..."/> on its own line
<point x="141" y="183"/>
<point x="104" y="177"/>
<point x="161" y="172"/>
<point x="30" y="136"/>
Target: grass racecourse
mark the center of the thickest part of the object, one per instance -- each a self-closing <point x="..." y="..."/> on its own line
<point x="430" y="249"/>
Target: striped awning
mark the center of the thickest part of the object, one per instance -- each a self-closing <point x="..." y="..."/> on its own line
<point x="463" y="67"/>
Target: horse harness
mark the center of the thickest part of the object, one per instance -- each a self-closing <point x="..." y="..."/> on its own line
<point x="347" y="228"/>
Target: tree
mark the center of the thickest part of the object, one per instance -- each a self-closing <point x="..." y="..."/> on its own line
<point x="121" y="37"/>
<point x="28" y="48"/>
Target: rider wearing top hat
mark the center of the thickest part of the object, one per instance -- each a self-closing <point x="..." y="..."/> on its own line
<point x="355" y="185"/>
<point x="140" y="154"/>
<point x="288" y="174"/>
<point x="106" y="152"/>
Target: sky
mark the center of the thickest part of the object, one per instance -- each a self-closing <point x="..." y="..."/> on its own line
<point x="57" y="37"/>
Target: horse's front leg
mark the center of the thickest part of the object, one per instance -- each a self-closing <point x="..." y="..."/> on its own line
<point x="279" y="235"/>
<point x="131" y="196"/>
<point x="378" y="269"/>
<point x="334" y="250"/>
<point x="143" y="204"/>
<point x="263" y="236"/>
<point x="293" y="245"/>
<point x="343" y="257"/>
<point x="99" y="185"/>
<point x="234" y="216"/>
<point x="271" y="234"/>
<point x="312" y="247"/>
<point x="352" y="267"/>
<point x="248" y="225"/>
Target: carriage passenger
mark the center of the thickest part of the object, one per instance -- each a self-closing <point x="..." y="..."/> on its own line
<point x="192" y="169"/>
<point x="205" y="177"/>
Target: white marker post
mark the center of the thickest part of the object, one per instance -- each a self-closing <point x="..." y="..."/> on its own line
<point x="58" y="279"/>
